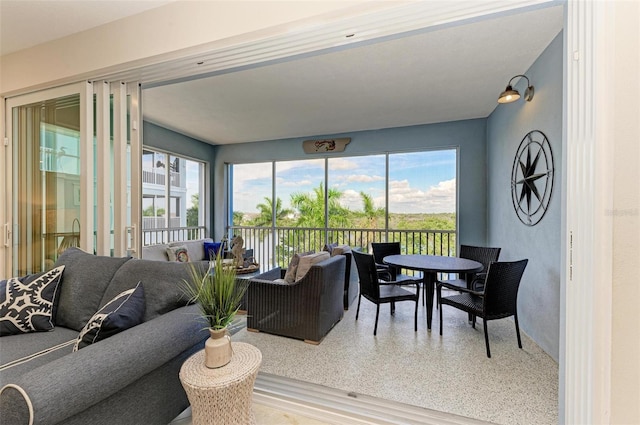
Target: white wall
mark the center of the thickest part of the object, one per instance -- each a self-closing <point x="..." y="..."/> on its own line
<point x="625" y="343"/>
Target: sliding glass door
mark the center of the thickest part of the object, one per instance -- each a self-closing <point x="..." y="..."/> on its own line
<point x="68" y="176"/>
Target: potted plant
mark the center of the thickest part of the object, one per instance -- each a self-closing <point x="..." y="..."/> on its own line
<point x="219" y="295"/>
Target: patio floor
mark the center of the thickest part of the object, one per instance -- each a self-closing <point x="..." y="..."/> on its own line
<point x="448" y="374"/>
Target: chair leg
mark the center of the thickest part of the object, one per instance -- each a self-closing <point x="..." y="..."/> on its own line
<point x="440" y="318"/>
<point x="486" y="337"/>
<point x="358" y="310"/>
<point x="415" y="317"/>
<point x="393" y="308"/>
<point x="515" y="316"/>
<point x="375" y="328"/>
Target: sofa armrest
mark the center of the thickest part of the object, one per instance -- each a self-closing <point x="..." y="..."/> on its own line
<point x="73" y="383"/>
<point x="273" y="274"/>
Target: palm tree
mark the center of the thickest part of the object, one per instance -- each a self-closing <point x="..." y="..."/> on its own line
<point x="370" y="211"/>
<point x="311" y="208"/>
<point x="371" y="214"/>
<point x="238" y="216"/>
<point x="266" y="212"/>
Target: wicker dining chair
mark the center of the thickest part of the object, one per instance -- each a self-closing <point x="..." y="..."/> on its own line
<point x="385" y="271"/>
<point x="481" y="254"/>
<point x="382" y="292"/>
<point x="498" y="299"/>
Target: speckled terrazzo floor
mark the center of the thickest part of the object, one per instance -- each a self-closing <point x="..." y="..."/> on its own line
<point x="449" y="373"/>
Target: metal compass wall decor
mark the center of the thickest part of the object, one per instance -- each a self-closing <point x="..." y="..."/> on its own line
<point x="532" y="178"/>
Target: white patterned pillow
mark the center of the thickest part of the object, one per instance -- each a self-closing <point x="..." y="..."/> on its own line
<point x="26" y="303"/>
<point x="178" y="253"/>
<point x="124" y="311"/>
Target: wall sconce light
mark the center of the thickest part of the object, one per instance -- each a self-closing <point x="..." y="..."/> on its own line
<point x="510" y="95"/>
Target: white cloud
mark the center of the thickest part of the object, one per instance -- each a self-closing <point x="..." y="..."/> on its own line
<point x="289" y="183"/>
<point x="363" y="178"/>
<point x="342" y="164"/>
<point x="351" y="199"/>
<point x="405" y="199"/>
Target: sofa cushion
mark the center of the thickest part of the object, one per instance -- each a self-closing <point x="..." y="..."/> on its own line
<point x="83" y="285"/>
<point x="124" y="311"/>
<point x="178" y="253"/>
<point x="309" y="260"/>
<point x="155" y="252"/>
<point x="329" y="247"/>
<point x="292" y="268"/>
<point x="340" y="250"/>
<point x="26" y="304"/>
<point x="24" y="352"/>
<point x="162" y="283"/>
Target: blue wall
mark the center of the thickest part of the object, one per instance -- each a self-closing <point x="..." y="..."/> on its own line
<point x="539" y="295"/>
<point x="468" y="136"/>
<point x="166" y="140"/>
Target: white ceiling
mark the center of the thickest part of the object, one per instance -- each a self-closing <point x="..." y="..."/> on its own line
<point x="27" y="23"/>
<point x="447" y="74"/>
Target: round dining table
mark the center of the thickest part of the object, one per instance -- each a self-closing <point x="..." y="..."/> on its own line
<point x="430" y="265"/>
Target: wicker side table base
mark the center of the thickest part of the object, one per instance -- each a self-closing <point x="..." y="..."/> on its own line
<point x="222" y="396"/>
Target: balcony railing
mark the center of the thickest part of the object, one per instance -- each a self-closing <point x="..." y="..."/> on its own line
<point x="159" y="178"/>
<point x="172" y="234"/>
<point x="276" y="246"/>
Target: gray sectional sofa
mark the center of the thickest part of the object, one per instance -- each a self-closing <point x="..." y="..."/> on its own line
<point x="128" y="378"/>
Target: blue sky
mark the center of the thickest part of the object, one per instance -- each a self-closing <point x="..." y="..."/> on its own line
<point x="419" y="182"/>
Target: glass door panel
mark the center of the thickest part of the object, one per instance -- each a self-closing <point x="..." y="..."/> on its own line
<point x="56" y="197"/>
<point x="46" y="166"/>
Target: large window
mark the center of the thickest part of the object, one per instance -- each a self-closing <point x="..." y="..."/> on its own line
<point x="284" y="207"/>
<point x="173" y="198"/>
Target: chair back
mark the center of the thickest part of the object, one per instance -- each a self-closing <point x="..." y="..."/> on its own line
<point x="481" y="254"/>
<point x="501" y="288"/>
<point x="382" y="249"/>
<point x="368" y="275"/>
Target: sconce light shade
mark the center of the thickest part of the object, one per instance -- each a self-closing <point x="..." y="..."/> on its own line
<point x="510" y="95"/>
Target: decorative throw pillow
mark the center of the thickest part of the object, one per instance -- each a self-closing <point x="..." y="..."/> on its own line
<point x="329" y="248"/>
<point x="211" y="250"/>
<point x="340" y="249"/>
<point x="178" y="253"/>
<point x="124" y="311"/>
<point x="26" y="303"/>
<point x="309" y="260"/>
<point x="290" y="275"/>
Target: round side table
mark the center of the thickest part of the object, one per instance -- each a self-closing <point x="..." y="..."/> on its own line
<point x="223" y="395"/>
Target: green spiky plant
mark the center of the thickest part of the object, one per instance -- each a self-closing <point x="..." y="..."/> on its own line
<point x="216" y="291"/>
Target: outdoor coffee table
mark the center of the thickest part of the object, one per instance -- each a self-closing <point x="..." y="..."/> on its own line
<point x="430" y="265"/>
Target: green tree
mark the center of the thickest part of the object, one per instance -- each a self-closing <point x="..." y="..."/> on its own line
<point x="370" y="218"/>
<point x="266" y="212"/>
<point x="148" y="212"/>
<point x="238" y="216"/>
<point x="311" y="208"/>
<point x="370" y="212"/>
<point x="192" y="212"/>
